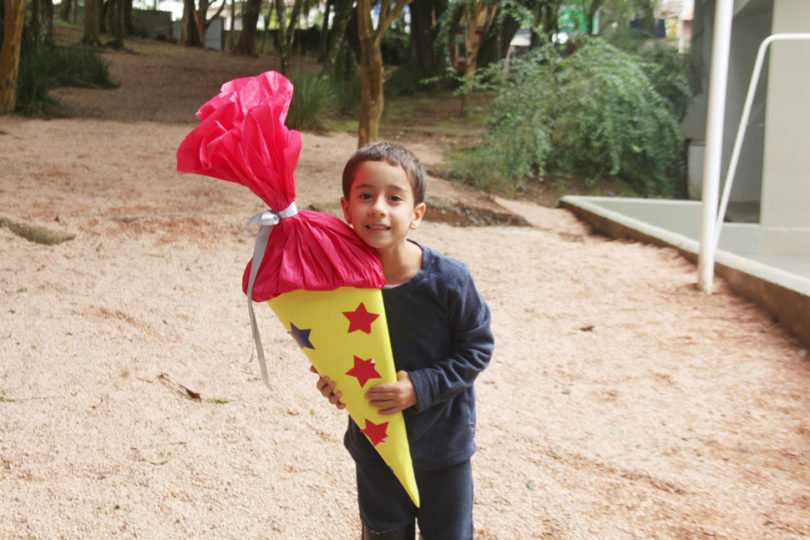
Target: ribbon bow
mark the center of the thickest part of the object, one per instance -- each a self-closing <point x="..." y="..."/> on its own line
<point x="265" y="221"/>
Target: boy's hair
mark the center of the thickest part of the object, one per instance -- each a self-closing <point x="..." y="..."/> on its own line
<point x="394" y="154"/>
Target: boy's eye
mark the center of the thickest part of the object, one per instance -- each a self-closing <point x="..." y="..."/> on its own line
<point x="364" y="196"/>
<point x="396" y="198"/>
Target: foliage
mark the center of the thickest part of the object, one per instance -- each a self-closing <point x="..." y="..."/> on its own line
<point x="594" y="114"/>
<point x="518" y="141"/>
<point x="347" y="94"/>
<point x="403" y="81"/>
<point x="395" y="46"/>
<point x="313" y="100"/>
<point x="44" y="66"/>
<point x="668" y="72"/>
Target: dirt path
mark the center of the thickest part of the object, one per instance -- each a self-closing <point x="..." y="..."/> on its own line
<point x="620" y="403"/>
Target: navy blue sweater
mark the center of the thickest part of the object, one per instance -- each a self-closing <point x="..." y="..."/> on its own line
<point x="440" y="334"/>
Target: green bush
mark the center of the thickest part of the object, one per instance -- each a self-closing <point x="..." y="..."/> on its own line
<point x="44" y="66"/>
<point x="518" y="141"/>
<point x="668" y="72"/>
<point x="403" y="81"/>
<point x="594" y="114"/>
<point x="348" y="94"/>
<point x="612" y="122"/>
<point x="312" y="102"/>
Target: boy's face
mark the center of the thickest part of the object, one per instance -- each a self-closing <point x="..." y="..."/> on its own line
<point x="381" y="206"/>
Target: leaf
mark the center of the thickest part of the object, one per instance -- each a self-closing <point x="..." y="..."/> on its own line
<point x="179" y="388"/>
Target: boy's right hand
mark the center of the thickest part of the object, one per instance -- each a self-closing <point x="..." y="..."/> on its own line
<point x="327" y="389"/>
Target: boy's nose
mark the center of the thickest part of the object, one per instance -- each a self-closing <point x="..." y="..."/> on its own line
<point x="379" y="206"/>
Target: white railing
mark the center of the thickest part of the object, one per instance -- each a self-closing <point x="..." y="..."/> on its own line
<point x="746" y="113"/>
<point x="712" y="223"/>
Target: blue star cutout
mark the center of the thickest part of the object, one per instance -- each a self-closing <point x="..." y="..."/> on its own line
<point x="301" y="336"/>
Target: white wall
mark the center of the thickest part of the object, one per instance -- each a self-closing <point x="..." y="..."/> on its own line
<point x="786" y="171"/>
<point x="751" y="25"/>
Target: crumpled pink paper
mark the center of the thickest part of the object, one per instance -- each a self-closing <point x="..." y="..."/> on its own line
<point x="242" y="138"/>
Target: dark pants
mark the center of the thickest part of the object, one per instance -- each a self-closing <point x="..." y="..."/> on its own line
<point x="445" y="496"/>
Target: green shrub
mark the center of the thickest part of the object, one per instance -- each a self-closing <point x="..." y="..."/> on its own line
<point x="403" y="81"/>
<point x="610" y="121"/>
<point x="518" y="141"/>
<point x="594" y="114"/>
<point x="668" y="72"/>
<point x="312" y="102"/>
<point x="347" y="94"/>
<point x="44" y="66"/>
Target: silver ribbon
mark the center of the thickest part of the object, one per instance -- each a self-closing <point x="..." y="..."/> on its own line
<point x="264" y="221"/>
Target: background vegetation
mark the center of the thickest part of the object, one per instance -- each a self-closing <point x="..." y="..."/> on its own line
<point x="600" y="113"/>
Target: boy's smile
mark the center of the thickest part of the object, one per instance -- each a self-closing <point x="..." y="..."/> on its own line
<point x="381" y="208"/>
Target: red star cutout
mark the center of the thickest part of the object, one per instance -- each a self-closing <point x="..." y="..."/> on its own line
<point x="375" y="432"/>
<point x="360" y="319"/>
<point x="363" y="370"/>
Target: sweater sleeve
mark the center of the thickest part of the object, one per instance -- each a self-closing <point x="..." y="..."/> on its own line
<point x="471" y="350"/>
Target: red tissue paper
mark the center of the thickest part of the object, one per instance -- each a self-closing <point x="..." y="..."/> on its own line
<point x="242" y="138"/>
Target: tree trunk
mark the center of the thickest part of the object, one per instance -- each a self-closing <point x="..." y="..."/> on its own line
<point x="202" y="15"/>
<point x="343" y="14"/>
<point x="117" y="23"/>
<point x="232" y="34"/>
<point x="371" y="96"/>
<point x="13" y="20"/>
<point x="549" y="18"/>
<point x="422" y="36"/>
<point x="250" y="17"/>
<point x="590" y="15"/>
<point x="472" y="42"/>
<point x="284" y="52"/>
<point x="92" y="23"/>
<point x="371" y="64"/>
<point x="189" y="31"/>
<point x="40" y="24"/>
<point x="509" y="28"/>
<point x="103" y="15"/>
<point x="286" y="31"/>
<point x="65" y="9"/>
<point x="129" y="28"/>
<point x="323" y="42"/>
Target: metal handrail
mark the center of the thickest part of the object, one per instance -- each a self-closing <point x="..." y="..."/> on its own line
<point x="749" y="99"/>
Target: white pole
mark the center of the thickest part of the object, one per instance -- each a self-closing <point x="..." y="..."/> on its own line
<point x="721" y="44"/>
<point x="749" y="100"/>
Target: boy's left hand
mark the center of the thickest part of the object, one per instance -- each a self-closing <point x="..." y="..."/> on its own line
<point x="392" y="398"/>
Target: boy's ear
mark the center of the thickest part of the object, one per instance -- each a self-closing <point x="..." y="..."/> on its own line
<point x="345" y="205"/>
<point x="419" y="213"/>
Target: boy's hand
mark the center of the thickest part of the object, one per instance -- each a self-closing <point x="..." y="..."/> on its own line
<point x="327" y="389"/>
<point x="392" y="398"/>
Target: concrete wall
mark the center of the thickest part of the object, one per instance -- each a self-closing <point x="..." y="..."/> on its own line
<point x="786" y="192"/>
<point x="214" y="36"/>
<point x="152" y="23"/>
<point x="752" y="24"/>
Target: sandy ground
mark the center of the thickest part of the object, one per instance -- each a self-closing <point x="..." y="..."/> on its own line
<point x="620" y="403"/>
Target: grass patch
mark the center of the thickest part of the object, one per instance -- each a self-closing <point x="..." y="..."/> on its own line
<point x="313" y="101"/>
<point x="45" y="66"/>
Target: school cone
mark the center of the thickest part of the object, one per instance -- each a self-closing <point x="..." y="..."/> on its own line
<point x="322" y="281"/>
<point x="344" y="334"/>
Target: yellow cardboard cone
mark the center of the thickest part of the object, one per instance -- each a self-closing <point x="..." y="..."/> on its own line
<point x="344" y="334"/>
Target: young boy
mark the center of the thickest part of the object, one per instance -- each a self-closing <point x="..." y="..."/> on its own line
<point x="441" y="340"/>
